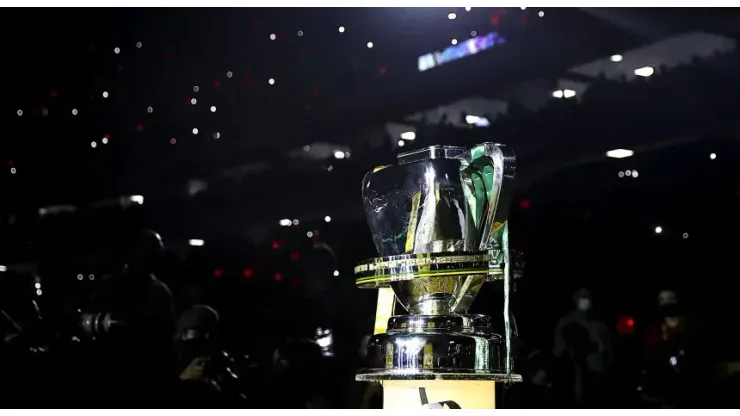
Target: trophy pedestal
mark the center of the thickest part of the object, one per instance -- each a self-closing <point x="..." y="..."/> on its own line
<point x="465" y="394"/>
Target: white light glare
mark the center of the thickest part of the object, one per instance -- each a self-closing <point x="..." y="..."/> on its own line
<point x="451" y="16"/>
<point x="685" y="235"/>
<point x="541" y="14"/>
<point x="273" y="36"/>
<point x="3" y="268"/>
<point x="336" y="272"/>
<point x="645" y="71"/>
<point x="619" y="153"/>
<point x="37" y="285"/>
<point x="339" y="154"/>
<point x="213" y="109"/>
<point x="286" y="222"/>
<point x="401" y="143"/>
<point x="635" y="174"/>
<point x="712" y="156"/>
<point x="341" y="29"/>
<point x="616" y="58"/>
<point x="137" y="199"/>
<point x="39" y="292"/>
<point x="472" y="119"/>
<point x="193" y="101"/>
<point x="467" y="9"/>
<point x="369" y="45"/>
<point x="94" y="145"/>
<point x="658" y="229"/>
<point x="566" y="93"/>
<point x="195" y="131"/>
<point x="196" y="242"/>
<point x="327" y="218"/>
<point x="105" y="94"/>
<point x="309" y="234"/>
<point x="408" y="135"/>
<point x="271" y="81"/>
<point x="454" y="41"/>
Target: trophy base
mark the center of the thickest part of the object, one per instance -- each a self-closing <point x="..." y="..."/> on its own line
<point x="397" y="375"/>
<point x="437" y="347"/>
<point x="439" y="394"/>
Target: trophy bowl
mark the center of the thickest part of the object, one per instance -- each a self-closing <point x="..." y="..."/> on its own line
<point x="438" y="218"/>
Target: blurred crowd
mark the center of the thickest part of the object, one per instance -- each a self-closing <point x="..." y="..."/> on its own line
<point x="136" y="343"/>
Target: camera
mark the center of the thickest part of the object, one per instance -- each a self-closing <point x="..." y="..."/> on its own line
<point x="98" y="323"/>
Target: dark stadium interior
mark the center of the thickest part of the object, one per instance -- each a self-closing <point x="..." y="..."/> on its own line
<point x="241" y="136"/>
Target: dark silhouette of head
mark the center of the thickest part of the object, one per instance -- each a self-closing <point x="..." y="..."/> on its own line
<point x="200" y="321"/>
<point x="583" y="300"/>
<point x="146" y="252"/>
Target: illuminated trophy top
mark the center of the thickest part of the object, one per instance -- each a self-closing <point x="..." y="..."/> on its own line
<point x="439" y="220"/>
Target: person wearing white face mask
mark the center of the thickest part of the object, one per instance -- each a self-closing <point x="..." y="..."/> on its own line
<point x="585" y="341"/>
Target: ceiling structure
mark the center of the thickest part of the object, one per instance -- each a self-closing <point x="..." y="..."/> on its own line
<point x="162" y="102"/>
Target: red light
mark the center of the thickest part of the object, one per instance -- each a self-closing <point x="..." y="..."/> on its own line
<point x="295" y="282"/>
<point x="278" y="277"/>
<point x="139" y="128"/>
<point x="218" y="273"/>
<point x="248" y="273"/>
<point x="216" y="83"/>
<point x="295" y="256"/>
<point x="53" y="93"/>
<point x="525" y="203"/>
<point x="626" y="325"/>
<point x="275" y="244"/>
<point x="173" y="140"/>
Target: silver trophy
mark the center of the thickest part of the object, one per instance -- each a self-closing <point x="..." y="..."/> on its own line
<point x="439" y="222"/>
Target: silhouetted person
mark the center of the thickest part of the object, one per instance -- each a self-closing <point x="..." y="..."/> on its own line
<point x="206" y="374"/>
<point x="585" y="340"/>
<point x="675" y="360"/>
<point x="138" y="347"/>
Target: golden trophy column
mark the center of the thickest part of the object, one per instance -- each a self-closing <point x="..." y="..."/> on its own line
<point x="438" y="219"/>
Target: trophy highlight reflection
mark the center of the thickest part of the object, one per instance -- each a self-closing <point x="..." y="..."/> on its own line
<point x="439" y="222"/>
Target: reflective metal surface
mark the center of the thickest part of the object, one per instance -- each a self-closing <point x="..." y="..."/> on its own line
<point x="442" y="199"/>
<point x="439" y="222"/>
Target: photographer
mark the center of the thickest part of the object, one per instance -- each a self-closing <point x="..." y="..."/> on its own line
<point x="133" y="322"/>
<point x="207" y="376"/>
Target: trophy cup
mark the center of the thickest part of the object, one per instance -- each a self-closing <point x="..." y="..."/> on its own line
<point x="439" y="222"/>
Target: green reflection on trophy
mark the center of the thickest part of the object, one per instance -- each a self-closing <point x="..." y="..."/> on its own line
<point x="439" y="222"/>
